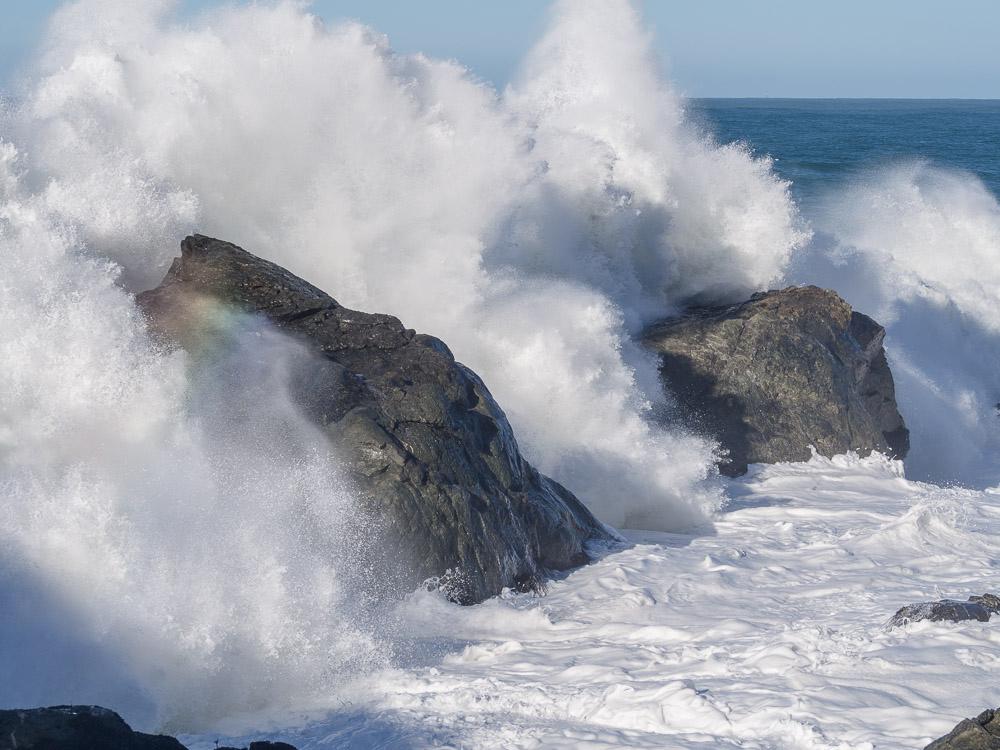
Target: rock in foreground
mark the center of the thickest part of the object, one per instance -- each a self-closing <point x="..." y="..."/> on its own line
<point x="981" y="733"/>
<point x="75" y="728"/>
<point x="785" y="370"/>
<point x="87" y="728"/>
<point x="430" y="452"/>
<point x="979" y="608"/>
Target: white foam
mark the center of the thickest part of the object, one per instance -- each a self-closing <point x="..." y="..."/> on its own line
<point x="768" y="633"/>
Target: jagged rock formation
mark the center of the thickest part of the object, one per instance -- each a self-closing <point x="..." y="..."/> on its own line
<point x="785" y="370"/>
<point x="428" y="449"/>
<point x="74" y="728"/>
<point x="979" y="608"/>
<point x="87" y="728"/>
<point x="981" y="733"/>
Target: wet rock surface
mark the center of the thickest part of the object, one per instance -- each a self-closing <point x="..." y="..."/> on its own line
<point x="979" y="608"/>
<point x="778" y="373"/>
<point x="429" y="452"/>
<point x="980" y="733"/>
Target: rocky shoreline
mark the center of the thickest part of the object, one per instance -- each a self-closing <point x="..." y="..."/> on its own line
<point x="435" y="463"/>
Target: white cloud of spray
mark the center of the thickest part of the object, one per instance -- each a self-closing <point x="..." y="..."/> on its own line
<point x="171" y="538"/>
<point x="635" y="202"/>
<point x="553" y="219"/>
<point x="534" y="231"/>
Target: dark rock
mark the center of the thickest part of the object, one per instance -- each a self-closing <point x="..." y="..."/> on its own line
<point x="74" y="728"/>
<point x="981" y="733"/>
<point x="979" y="608"/>
<point x="431" y="453"/>
<point x="785" y="370"/>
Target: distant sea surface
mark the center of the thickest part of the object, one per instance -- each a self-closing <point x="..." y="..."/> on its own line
<point x="819" y="144"/>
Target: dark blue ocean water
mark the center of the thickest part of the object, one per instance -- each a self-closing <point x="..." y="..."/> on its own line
<point x="821" y="143"/>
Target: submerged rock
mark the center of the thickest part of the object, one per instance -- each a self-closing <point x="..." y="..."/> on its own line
<point x="781" y="372"/>
<point x="431" y="454"/>
<point x="981" y="733"/>
<point x="979" y="608"/>
<point x="75" y="728"/>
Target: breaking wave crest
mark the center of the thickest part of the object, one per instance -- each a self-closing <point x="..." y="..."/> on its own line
<point x="533" y="230"/>
<point x="918" y="247"/>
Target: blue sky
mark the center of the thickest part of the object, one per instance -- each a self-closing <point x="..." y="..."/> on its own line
<point x="891" y="48"/>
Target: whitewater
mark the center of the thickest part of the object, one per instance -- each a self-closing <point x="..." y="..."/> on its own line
<point x="767" y="630"/>
<point x="159" y="555"/>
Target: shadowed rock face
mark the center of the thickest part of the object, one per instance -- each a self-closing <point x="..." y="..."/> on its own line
<point x="74" y="728"/>
<point x="87" y="728"/>
<point x="981" y="733"/>
<point x="429" y="451"/>
<point x="785" y="370"/>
